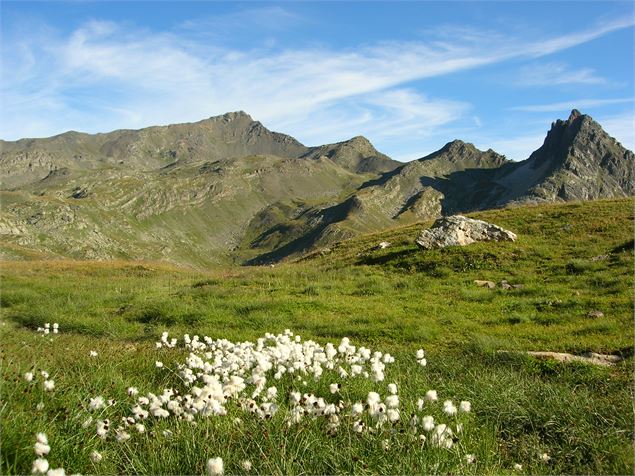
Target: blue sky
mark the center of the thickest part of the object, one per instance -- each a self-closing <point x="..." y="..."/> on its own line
<point x="409" y="76"/>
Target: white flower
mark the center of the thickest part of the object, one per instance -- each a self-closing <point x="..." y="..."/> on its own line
<point x="518" y="467"/>
<point x="28" y="376"/>
<point x="56" y="472"/>
<point x="40" y="466"/>
<point x="158" y="364"/>
<point x="470" y="458"/>
<point x="465" y="406"/>
<point x="215" y="466"/>
<point x="449" y="408"/>
<point x="44" y="374"/>
<point x="357" y="409"/>
<point x="246" y="465"/>
<point x="121" y="435"/>
<point x="41" y="449"/>
<point x="423" y="362"/>
<point x="41" y="438"/>
<point x="373" y="398"/>
<point x="96" y="403"/>
<point x="428" y="423"/>
<point x="358" y="426"/>
<point x="392" y="388"/>
<point x="545" y="457"/>
<point x="93" y="353"/>
<point x="49" y="385"/>
<point x="392" y="401"/>
<point x="140" y="427"/>
<point x="334" y="387"/>
<point x="385" y="444"/>
<point x="420" y="354"/>
<point x="132" y="391"/>
<point x="95" y="457"/>
<point x="431" y="395"/>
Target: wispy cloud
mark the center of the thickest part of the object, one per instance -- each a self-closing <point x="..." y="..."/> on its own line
<point x="572" y="104"/>
<point x="621" y="126"/>
<point x="107" y="75"/>
<point x="551" y="74"/>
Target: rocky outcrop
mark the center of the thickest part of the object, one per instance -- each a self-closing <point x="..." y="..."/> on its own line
<point x="458" y="230"/>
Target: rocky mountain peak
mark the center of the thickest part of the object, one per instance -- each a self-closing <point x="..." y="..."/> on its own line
<point x="232" y="116"/>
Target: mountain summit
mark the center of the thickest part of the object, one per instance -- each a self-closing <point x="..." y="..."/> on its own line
<point x="228" y="188"/>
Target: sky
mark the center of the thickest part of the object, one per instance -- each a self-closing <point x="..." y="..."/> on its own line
<point x="409" y="76"/>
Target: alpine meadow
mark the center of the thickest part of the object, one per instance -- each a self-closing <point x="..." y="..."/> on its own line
<point x="211" y="297"/>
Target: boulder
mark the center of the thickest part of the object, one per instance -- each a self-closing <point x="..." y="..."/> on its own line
<point x="457" y="230"/>
<point x="485" y="284"/>
<point x="595" y="314"/>
<point x="383" y="245"/>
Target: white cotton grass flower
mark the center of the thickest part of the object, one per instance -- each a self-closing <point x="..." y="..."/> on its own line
<point x="431" y="396"/>
<point x="334" y="387"/>
<point x="449" y="408"/>
<point x="158" y="364"/>
<point x="96" y="457"/>
<point x="132" y="391"/>
<point x="470" y="458"/>
<point x="56" y="328"/>
<point x="96" y="403"/>
<point x="56" y="472"/>
<point x="42" y="438"/>
<point x="428" y="423"/>
<point x="518" y="467"/>
<point x="465" y="406"/>
<point x="44" y="374"/>
<point x="40" y="466"/>
<point x="93" y="353"/>
<point x="215" y="466"/>
<point x="392" y="388"/>
<point x="41" y="449"/>
<point x="28" y="376"/>
<point x="246" y="465"/>
<point x="121" y="435"/>
<point x="545" y="457"/>
<point x="357" y="409"/>
<point x="49" y="385"/>
<point x="140" y="427"/>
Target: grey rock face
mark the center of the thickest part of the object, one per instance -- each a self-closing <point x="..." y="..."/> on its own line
<point x="458" y="230"/>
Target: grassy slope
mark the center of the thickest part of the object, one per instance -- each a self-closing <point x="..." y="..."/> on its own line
<point x="397" y="300"/>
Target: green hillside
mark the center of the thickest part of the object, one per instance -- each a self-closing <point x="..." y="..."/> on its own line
<point x="570" y="259"/>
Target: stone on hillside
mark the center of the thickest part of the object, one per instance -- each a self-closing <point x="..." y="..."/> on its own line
<point x="485" y="284"/>
<point x="595" y="314"/>
<point x="383" y="245"/>
<point x="458" y="230"/>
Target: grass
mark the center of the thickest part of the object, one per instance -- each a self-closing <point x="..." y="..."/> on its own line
<point x="570" y="259"/>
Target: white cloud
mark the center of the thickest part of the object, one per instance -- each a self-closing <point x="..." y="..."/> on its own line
<point x="620" y="126"/>
<point x="551" y="74"/>
<point x="106" y="75"/>
<point x="572" y="104"/>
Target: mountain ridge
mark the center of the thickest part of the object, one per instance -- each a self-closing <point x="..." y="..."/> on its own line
<point x="227" y="188"/>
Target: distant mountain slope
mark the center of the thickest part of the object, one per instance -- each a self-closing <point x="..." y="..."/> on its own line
<point x="227" y="188"/>
<point x="234" y="134"/>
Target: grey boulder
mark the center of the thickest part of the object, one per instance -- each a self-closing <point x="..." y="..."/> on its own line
<point x="457" y="230"/>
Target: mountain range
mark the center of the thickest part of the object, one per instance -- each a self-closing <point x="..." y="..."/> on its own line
<point x="227" y="189"/>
